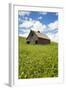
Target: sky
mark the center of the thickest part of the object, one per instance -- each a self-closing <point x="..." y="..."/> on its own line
<point x="45" y="22"/>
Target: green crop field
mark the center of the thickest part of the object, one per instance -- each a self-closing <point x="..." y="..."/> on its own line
<point x="37" y="61"/>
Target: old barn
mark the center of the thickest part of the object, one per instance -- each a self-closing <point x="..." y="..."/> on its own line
<point x="37" y="38"/>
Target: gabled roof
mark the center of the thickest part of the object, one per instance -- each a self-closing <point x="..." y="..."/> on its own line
<point x="40" y="35"/>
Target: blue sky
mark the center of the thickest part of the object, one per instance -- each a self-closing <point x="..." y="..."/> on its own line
<point x="45" y="22"/>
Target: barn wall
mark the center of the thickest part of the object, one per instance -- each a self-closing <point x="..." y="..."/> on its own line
<point x="43" y="41"/>
<point x="32" y="38"/>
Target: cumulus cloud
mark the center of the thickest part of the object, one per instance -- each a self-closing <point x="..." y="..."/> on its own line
<point x="53" y="25"/>
<point x="23" y="35"/>
<point x="53" y="37"/>
<point x="24" y="32"/>
<point x="43" y="13"/>
<point x="26" y="18"/>
<point x="38" y="26"/>
<point x="30" y="24"/>
<point x="26" y="24"/>
<point x="52" y="31"/>
<point x="39" y="18"/>
<point x="23" y="13"/>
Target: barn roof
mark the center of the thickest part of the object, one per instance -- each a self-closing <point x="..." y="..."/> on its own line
<point x="40" y="35"/>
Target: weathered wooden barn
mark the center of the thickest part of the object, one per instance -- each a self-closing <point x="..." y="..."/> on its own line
<point x="37" y="38"/>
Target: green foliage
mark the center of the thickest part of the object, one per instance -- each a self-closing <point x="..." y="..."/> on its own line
<point x="37" y="61"/>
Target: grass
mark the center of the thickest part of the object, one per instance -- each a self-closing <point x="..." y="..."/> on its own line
<point x="37" y="61"/>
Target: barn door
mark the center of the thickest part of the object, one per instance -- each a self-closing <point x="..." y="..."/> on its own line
<point x="36" y="42"/>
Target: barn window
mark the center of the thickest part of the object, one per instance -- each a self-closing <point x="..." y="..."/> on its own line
<point x="36" y="42"/>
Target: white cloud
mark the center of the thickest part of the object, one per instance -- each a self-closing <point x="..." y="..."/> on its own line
<point x="19" y="20"/>
<point x="25" y="32"/>
<point x="43" y="13"/>
<point x="23" y="35"/>
<point x="33" y="24"/>
<point x="39" y="18"/>
<point x="26" y="18"/>
<point x="26" y="24"/>
<point x="30" y="19"/>
<point x="23" y="13"/>
<point x="53" y="37"/>
<point x="38" y="26"/>
<point x="53" y="25"/>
